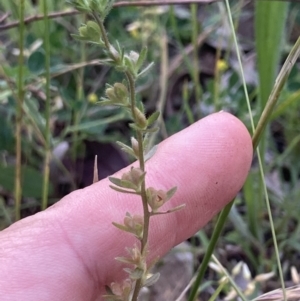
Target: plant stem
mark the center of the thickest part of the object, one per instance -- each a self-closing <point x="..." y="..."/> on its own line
<point x="103" y="32"/>
<point x="47" y="110"/>
<point x="77" y="113"/>
<point x="196" y="69"/>
<point x="20" y="100"/>
<point x="131" y="84"/>
<point x="279" y="84"/>
<point x="212" y="244"/>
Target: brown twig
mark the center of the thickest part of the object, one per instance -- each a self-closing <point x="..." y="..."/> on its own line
<point x="4" y="17"/>
<point x="72" y="12"/>
<point x="55" y="15"/>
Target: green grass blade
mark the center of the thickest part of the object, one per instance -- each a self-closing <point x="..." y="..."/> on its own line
<point x="46" y="171"/>
<point x="269" y="25"/>
<point x="19" y="113"/>
<point x="280" y="82"/>
<point x="212" y="244"/>
<point x="196" y="63"/>
<point x="270" y="19"/>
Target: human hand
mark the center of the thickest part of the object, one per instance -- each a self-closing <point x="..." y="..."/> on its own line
<point x="67" y="252"/>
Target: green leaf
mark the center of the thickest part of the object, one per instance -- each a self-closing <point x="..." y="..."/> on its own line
<point x="152" y="130"/>
<point x="94" y="124"/>
<point x="140" y="106"/>
<point x="136" y="274"/>
<point x="31" y="108"/>
<point x="116" y="181"/>
<point x="122" y="183"/>
<point x="152" y="280"/>
<point x="174" y="209"/>
<point x="153" y="117"/>
<point x="124" y="259"/>
<point x="145" y="70"/>
<point x="32" y="182"/>
<point x="135" y="127"/>
<point x="78" y="37"/>
<point x="146" y="141"/>
<point x="171" y="192"/>
<point x="125" y="148"/>
<point x="151" y="153"/>
<point x="141" y="58"/>
<point x="6" y="135"/>
<point x="36" y="62"/>
<point x="121" y="227"/>
<point x="104" y="102"/>
<point x="93" y="27"/>
<point x="129" y="185"/>
<point x="123" y="190"/>
<point x="129" y="65"/>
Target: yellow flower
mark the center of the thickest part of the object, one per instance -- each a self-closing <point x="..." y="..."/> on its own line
<point x="92" y="98"/>
<point x="222" y="65"/>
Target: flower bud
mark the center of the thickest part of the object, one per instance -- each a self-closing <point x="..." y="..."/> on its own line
<point x="134" y="56"/>
<point x="113" y="51"/>
<point x="134" y="176"/>
<point x="110" y="93"/>
<point x="134" y="224"/>
<point x="140" y="118"/>
<point x="93" y="31"/>
<point x="83" y="32"/>
<point x="121" y="90"/>
<point x="121" y="291"/>
<point x="118" y="94"/>
<point x="156" y="198"/>
<point x="135" y="146"/>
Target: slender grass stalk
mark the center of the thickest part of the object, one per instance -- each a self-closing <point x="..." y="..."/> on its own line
<point x="192" y="67"/>
<point x="163" y="88"/>
<point x="79" y="97"/>
<point x="236" y="11"/>
<point x="196" y="63"/>
<point x="281" y="79"/>
<point x="46" y="171"/>
<point x="279" y="84"/>
<point x="269" y="24"/>
<point x="212" y="243"/>
<point x="217" y="77"/>
<point x="216" y="293"/>
<point x="186" y="107"/>
<point x="6" y="213"/>
<point x="217" y="71"/>
<point x="271" y="223"/>
<point x="224" y="271"/>
<point x="19" y="117"/>
<point x="175" y="29"/>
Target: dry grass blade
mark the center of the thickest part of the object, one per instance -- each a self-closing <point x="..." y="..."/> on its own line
<point x="95" y="176"/>
<point x="292" y="294"/>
